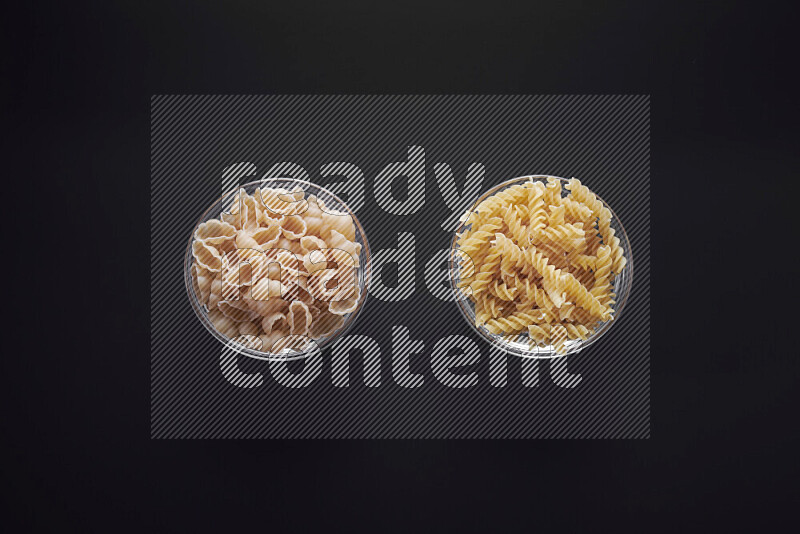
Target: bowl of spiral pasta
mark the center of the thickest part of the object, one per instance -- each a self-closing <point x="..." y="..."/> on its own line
<point x="541" y="266"/>
<point x="277" y="268"/>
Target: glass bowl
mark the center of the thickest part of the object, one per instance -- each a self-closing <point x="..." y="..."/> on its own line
<point x="519" y="346"/>
<point x="332" y="202"/>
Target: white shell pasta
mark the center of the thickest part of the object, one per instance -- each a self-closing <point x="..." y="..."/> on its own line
<point x="273" y="321"/>
<point x="241" y="267"/>
<point x="291" y="245"/>
<point x="293" y="227"/>
<point x="266" y="307"/>
<point x="214" y="232"/>
<point x="250" y="213"/>
<point x="343" y="307"/>
<point x="282" y="202"/>
<point x="232" y="311"/>
<point x="313" y="217"/>
<point x="315" y="311"/>
<point x="201" y="280"/>
<point x="301" y="294"/>
<point x="207" y="256"/>
<point x="322" y="284"/>
<point x="314" y="261"/>
<point x="225" y="325"/>
<point x="334" y="221"/>
<point x="245" y="240"/>
<point x="266" y="217"/>
<point x="266" y="289"/>
<point x="337" y="240"/>
<point x="214" y="293"/>
<point x="238" y="214"/>
<point x="311" y="242"/>
<point x="266" y="238"/>
<point x="277" y="269"/>
<point x="249" y="329"/>
<point x="284" y="267"/>
<point x="299" y="318"/>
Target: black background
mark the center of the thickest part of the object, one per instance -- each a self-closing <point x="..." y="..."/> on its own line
<point x="723" y="425"/>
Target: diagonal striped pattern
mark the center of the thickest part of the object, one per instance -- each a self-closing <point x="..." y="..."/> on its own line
<point x="202" y="144"/>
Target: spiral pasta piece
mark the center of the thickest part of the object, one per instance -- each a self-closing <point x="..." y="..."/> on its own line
<point x="514" y="258"/>
<point x="517" y="230"/>
<point x="507" y="197"/>
<point x="552" y="192"/>
<point x="583" y="261"/>
<point x="556" y="216"/>
<point x="576" y="211"/>
<point x="558" y="337"/>
<point x="563" y="237"/>
<point x="536" y="211"/>
<point x="583" y="194"/>
<point x="502" y="291"/>
<point x="539" y="334"/>
<point x="513" y="324"/>
<point x="584" y="299"/>
<point x="487" y="270"/>
<point x="488" y="307"/>
<point x="602" y="275"/>
<point x="474" y="244"/>
<point x="576" y="331"/>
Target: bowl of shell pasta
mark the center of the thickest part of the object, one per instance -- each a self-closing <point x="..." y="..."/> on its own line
<point x="277" y="268"/>
<point x="541" y="266"/>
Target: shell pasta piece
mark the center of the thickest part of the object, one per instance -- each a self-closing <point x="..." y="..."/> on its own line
<point x="214" y="231"/>
<point x="206" y="256"/>
<point x="342" y="223"/>
<point x="293" y="227"/>
<point x="299" y="318"/>
<point x="337" y="240"/>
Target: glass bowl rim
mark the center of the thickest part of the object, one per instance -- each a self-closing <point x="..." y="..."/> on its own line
<point x="462" y="302"/>
<point x="317" y="346"/>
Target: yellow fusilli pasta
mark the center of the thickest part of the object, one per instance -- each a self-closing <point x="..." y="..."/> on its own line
<point x="543" y="262"/>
